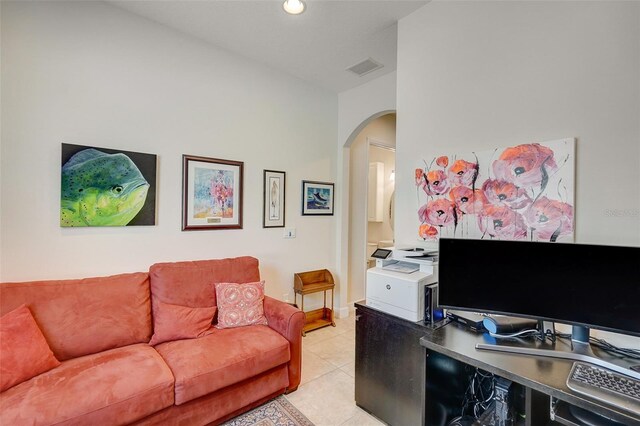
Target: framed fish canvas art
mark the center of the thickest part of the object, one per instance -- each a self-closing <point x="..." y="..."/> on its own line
<point x="107" y="187"/>
<point x="212" y="193"/>
<point x="519" y="192"/>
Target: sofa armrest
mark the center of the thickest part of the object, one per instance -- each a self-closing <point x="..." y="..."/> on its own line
<point x="288" y="321"/>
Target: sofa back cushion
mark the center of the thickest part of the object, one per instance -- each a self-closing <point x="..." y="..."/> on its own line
<point x="85" y="316"/>
<point x="192" y="283"/>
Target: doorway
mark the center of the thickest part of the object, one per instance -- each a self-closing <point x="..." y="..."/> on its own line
<point x="371" y="189"/>
<point x="380" y="196"/>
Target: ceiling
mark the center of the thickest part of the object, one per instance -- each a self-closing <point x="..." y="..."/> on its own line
<point x="316" y="46"/>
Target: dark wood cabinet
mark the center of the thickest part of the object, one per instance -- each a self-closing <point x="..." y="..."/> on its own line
<point x="390" y="367"/>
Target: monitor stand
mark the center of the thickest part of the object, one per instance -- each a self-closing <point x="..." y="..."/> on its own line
<point x="580" y="351"/>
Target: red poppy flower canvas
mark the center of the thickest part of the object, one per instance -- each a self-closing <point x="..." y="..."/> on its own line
<point x="519" y="192"/>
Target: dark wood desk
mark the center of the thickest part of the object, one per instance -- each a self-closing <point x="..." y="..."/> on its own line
<point x="386" y="356"/>
<point x="542" y="377"/>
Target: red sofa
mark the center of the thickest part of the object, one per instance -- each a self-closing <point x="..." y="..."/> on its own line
<point x="99" y="328"/>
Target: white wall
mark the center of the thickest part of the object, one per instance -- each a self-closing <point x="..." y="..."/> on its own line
<point x="474" y="75"/>
<point x="383" y="131"/>
<point x="0" y="137"/>
<point x="92" y="74"/>
<point x="356" y="106"/>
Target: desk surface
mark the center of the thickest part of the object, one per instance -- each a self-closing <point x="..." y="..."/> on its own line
<point x="547" y="375"/>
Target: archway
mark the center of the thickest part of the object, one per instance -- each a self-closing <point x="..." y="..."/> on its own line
<point x="347" y="198"/>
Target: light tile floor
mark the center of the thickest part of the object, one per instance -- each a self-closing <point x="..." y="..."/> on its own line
<point x="326" y="392"/>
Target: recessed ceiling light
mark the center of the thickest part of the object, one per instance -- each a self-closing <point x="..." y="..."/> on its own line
<point x="293" y="7"/>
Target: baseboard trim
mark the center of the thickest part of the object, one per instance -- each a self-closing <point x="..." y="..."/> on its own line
<point x="343" y="312"/>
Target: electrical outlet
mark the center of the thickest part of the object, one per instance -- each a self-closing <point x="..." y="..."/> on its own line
<point x="285" y="297"/>
<point x="289" y="233"/>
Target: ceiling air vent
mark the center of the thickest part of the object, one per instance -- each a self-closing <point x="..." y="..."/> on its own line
<point x="365" y="67"/>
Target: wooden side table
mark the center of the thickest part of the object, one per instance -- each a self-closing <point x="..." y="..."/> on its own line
<point x="312" y="282"/>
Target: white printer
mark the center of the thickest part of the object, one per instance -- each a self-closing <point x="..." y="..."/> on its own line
<point x="396" y="284"/>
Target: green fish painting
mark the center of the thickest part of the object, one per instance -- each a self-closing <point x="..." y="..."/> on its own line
<point x="101" y="189"/>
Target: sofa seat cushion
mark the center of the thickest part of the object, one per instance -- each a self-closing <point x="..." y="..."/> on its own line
<point x="228" y="356"/>
<point x="112" y="387"/>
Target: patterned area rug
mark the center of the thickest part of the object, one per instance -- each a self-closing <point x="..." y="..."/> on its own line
<point x="277" y="412"/>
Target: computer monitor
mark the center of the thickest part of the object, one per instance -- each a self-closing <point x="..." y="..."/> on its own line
<point x="584" y="285"/>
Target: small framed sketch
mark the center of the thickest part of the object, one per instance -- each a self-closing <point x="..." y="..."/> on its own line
<point x="274" y="190"/>
<point x="317" y="198"/>
<point x="211" y="193"/>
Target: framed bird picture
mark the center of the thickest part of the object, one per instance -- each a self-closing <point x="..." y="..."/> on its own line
<point x="317" y="198"/>
<point x="274" y="194"/>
